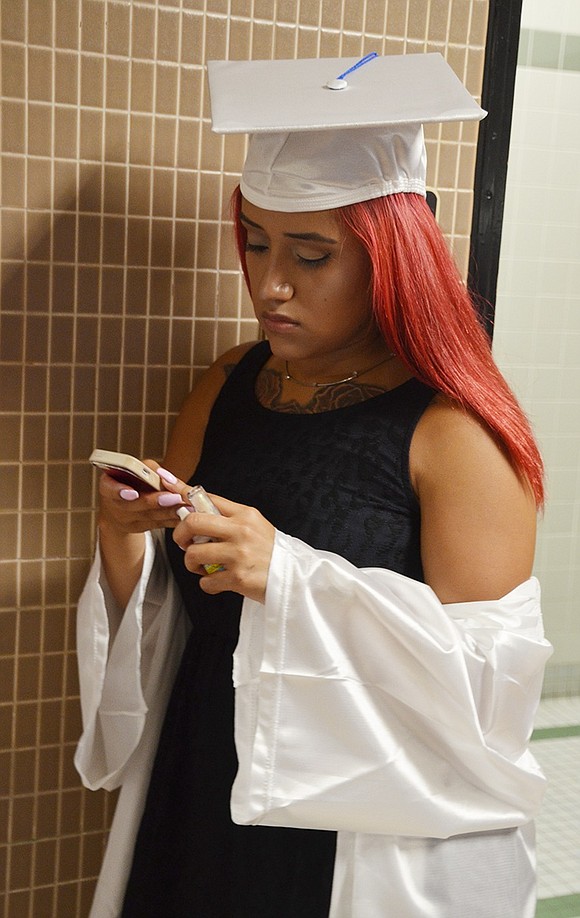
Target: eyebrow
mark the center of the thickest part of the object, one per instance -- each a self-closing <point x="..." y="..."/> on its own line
<point x="305" y="237"/>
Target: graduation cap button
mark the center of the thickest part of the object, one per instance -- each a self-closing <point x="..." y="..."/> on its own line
<point x="336" y="84"/>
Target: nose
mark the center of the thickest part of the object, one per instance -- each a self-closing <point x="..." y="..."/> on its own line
<point x="274" y="287"/>
<point x="285" y="291"/>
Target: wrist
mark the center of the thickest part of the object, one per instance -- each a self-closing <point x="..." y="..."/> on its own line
<point x="121" y="555"/>
<point x="111" y="532"/>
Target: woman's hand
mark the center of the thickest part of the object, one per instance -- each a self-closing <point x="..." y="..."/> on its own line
<point x="124" y="516"/>
<point x="125" y="510"/>
<point x="242" y="541"/>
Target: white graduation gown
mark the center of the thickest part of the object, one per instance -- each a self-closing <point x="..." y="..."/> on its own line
<point x="127" y="666"/>
<point x="362" y="705"/>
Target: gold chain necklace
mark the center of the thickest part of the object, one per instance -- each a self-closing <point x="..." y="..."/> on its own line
<point x="336" y="382"/>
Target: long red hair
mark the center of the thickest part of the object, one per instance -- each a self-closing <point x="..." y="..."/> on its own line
<point x="426" y="315"/>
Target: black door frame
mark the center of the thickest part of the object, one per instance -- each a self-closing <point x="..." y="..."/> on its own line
<point x="501" y="54"/>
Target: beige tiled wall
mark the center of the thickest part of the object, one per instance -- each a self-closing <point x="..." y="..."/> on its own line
<point x="119" y="284"/>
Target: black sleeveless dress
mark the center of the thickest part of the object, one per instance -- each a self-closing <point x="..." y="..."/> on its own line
<point x="338" y="480"/>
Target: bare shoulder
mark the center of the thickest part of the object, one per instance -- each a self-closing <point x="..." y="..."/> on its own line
<point x="478" y="518"/>
<point x="186" y="438"/>
<point x="447" y="434"/>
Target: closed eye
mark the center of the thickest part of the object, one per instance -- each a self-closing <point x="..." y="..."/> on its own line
<point x="313" y="262"/>
<point x="255" y="248"/>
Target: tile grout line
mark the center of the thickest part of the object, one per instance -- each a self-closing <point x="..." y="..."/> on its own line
<point x="543" y="733"/>
<point x="559" y="907"/>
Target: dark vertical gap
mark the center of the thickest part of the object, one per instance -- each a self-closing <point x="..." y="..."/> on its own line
<point x="501" y="54"/>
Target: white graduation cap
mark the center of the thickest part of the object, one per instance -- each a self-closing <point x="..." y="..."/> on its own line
<point x="327" y="132"/>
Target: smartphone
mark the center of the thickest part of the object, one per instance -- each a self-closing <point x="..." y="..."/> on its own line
<point x="126" y="469"/>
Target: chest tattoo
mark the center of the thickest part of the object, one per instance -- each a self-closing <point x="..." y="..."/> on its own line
<point x="270" y="394"/>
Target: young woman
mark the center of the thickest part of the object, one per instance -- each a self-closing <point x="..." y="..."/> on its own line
<point x="378" y="486"/>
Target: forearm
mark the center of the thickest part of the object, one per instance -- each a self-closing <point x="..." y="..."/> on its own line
<point x="122" y="556"/>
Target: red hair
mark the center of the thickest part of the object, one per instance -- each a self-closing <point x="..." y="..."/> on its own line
<point x="426" y="315"/>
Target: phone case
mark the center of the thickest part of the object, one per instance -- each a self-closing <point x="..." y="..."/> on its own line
<point x="126" y="469"/>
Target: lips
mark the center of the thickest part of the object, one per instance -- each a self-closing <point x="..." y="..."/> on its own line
<point x="277" y="322"/>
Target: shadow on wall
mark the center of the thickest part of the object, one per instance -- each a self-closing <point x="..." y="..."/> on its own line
<point x="88" y="337"/>
<point x="97" y="292"/>
<point x="96" y="348"/>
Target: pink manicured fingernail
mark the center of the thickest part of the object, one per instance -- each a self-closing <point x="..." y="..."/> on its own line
<point x="169" y="477"/>
<point x="169" y="500"/>
<point x="129" y="494"/>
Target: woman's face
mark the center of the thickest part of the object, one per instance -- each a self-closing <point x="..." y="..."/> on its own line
<point x="309" y="281"/>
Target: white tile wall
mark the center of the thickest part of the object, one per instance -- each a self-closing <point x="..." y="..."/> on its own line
<point x="537" y="334"/>
<point x="558" y="826"/>
<point x="553" y="16"/>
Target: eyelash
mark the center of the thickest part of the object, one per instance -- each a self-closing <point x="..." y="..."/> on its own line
<point x="308" y="263"/>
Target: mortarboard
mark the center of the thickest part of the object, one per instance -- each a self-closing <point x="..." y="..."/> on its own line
<point x="319" y="142"/>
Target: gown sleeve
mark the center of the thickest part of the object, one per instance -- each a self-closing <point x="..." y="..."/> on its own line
<point x="365" y="705"/>
<point x="127" y="665"/>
